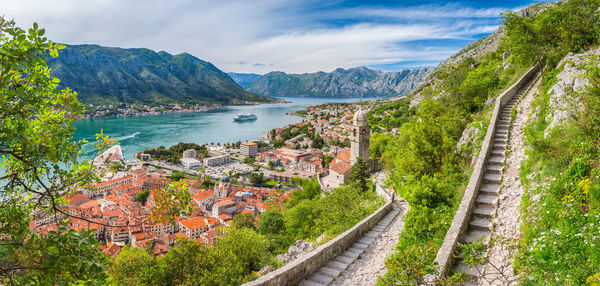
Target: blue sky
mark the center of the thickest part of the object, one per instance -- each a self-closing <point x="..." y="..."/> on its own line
<point x="261" y="36"/>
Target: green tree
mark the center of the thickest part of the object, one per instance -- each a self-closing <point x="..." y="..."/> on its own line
<point x="359" y="175"/>
<point x="39" y="166"/>
<point x="257" y="179"/>
<point x="142" y="197"/>
<point x="244" y="220"/>
<point x="134" y="266"/>
<point x="271" y="222"/>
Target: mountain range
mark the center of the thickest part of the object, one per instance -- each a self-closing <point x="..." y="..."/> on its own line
<point x="115" y="75"/>
<point x="354" y="82"/>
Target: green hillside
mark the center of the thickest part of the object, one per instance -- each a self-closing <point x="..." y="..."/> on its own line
<point x="105" y="75"/>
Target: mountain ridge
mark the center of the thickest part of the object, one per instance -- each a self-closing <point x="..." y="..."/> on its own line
<point x="345" y="83"/>
<point x="139" y="75"/>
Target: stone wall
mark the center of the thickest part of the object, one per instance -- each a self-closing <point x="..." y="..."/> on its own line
<point x="293" y="272"/>
<point x="445" y="255"/>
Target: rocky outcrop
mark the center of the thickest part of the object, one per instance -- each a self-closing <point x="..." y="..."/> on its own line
<point x="355" y="82"/>
<point x="114" y="75"/>
<point x="564" y="100"/>
<point x="298" y="249"/>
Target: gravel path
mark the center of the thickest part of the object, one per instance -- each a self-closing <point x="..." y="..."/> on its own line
<point x="499" y="269"/>
<point x="365" y="270"/>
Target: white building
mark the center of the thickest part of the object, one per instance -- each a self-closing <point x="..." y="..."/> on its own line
<point x="190" y="163"/>
<point x="249" y="149"/>
<point x="217" y="160"/>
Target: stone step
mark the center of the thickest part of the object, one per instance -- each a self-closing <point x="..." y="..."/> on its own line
<point x="486" y="199"/>
<point x="500" y="146"/>
<point x="502" y="130"/>
<point x="310" y="283"/>
<point x="344" y="259"/>
<point x="489" y="188"/>
<point x="494" y="169"/>
<point x="501" y="125"/>
<point x="319" y="278"/>
<point x="481" y="224"/>
<point x="366" y="240"/>
<point x="498" y="140"/>
<point x="496" y="159"/>
<point x="355" y="250"/>
<point x="329" y="272"/>
<point x="373" y="234"/>
<point x="351" y="254"/>
<point x="496" y="152"/>
<point x="379" y="228"/>
<point x="474" y="235"/>
<point x="360" y="245"/>
<point x="336" y="265"/>
<point x="492" y="178"/>
<point x="504" y="121"/>
<point x="464" y="268"/>
<point x="485" y="211"/>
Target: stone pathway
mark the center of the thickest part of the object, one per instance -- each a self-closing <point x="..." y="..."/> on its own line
<point x="486" y="204"/>
<point x="339" y="267"/>
<point x="371" y="265"/>
<point x="498" y="270"/>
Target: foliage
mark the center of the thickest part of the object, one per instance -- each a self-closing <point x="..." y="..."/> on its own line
<point x="390" y="115"/>
<point x="142" y="197"/>
<point x="175" y="152"/>
<point x="271" y="222"/>
<point x="39" y="164"/>
<point x="257" y="179"/>
<point x="228" y="262"/>
<point x="359" y="175"/>
<point x="171" y="202"/>
<point x="568" y="26"/>
<point x="244" y="220"/>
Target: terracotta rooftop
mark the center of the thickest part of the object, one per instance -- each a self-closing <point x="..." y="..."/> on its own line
<point x="194" y="223"/>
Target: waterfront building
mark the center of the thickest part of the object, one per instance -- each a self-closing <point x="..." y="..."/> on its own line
<point x="190" y="163"/>
<point x="217" y="160"/>
<point x="249" y="149"/>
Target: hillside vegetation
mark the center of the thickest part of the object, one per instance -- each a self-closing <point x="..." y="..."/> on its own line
<point x="105" y="75"/>
<point x="430" y="171"/>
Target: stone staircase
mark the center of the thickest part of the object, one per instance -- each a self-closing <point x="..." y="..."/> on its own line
<point x="480" y="226"/>
<point x="335" y="267"/>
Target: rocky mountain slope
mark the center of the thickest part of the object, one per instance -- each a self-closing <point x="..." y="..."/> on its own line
<point x="354" y="82"/>
<point x="112" y="75"/>
<point x="244" y="79"/>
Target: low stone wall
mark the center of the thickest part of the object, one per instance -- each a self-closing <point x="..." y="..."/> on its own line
<point x="305" y="266"/>
<point x="445" y="255"/>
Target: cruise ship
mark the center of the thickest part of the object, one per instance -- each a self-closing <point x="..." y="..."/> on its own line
<point x="245" y="117"/>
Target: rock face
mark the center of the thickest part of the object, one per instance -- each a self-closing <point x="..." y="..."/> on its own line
<point x="355" y="82"/>
<point x="569" y="82"/>
<point x="298" y="249"/>
<point x="112" y="75"/>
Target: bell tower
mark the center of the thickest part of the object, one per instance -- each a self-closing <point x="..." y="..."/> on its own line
<point x="359" y="137"/>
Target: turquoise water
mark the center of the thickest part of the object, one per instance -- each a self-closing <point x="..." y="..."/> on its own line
<point x="197" y="127"/>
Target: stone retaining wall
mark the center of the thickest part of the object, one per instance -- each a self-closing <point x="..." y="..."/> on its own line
<point x="293" y="272"/>
<point x="445" y="255"/>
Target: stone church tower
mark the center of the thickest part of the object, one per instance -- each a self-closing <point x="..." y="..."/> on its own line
<point x="359" y="137"/>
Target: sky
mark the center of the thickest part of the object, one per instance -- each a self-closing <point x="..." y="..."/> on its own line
<point x="259" y="36"/>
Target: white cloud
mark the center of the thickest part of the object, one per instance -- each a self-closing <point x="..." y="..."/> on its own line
<point x="258" y="36"/>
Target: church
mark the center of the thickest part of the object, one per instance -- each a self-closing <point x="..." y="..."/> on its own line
<point x="339" y="168"/>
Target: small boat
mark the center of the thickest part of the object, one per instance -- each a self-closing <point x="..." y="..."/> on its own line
<point x="136" y="134"/>
<point x="245" y="117"/>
